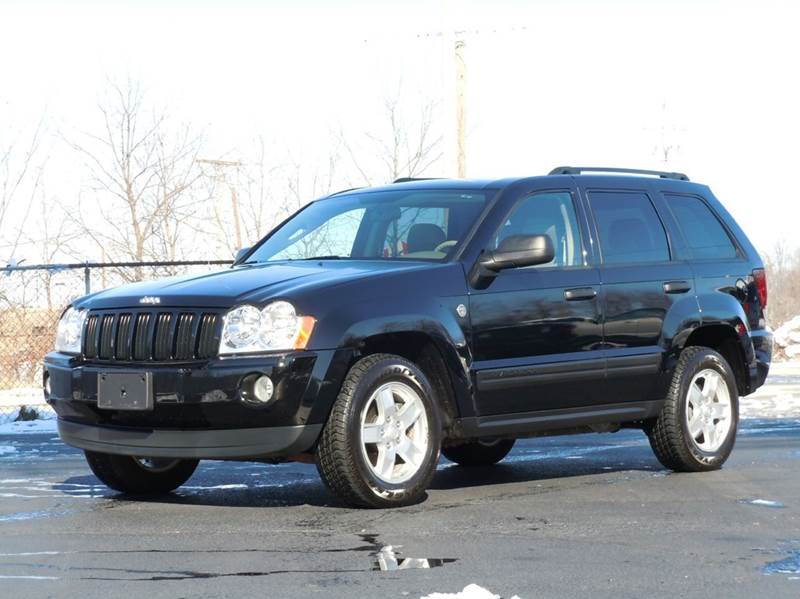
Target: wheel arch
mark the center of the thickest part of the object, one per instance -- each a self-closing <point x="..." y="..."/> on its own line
<point x="723" y="339"/>
<point x="438" y="360"/>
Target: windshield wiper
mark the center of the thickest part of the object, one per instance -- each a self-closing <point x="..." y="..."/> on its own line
<point x="331" y="257"/>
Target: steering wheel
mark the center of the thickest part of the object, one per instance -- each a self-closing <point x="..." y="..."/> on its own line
<point x="445" y="245"/>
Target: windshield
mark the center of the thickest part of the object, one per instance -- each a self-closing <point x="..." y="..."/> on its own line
<point x="413" y="225"/>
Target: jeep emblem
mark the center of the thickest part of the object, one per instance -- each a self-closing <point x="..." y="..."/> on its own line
<point x="149" y="299"/>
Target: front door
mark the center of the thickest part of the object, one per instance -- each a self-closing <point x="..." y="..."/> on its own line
<point x="537" y="331"/>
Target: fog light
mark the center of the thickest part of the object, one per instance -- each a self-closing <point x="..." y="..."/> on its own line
<point x="263" y="389"/>
<point x="46" y="386"/>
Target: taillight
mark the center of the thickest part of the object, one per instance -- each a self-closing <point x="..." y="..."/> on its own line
<point x="760" y="278"/>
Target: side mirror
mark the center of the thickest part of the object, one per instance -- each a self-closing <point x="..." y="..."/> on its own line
<point x="240" y="254"/>
<point x="515" y="251"/>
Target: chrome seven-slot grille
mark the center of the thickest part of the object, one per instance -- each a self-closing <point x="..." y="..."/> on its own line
<point x="151" y="335"/>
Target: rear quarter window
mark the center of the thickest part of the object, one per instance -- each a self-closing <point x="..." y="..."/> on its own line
<point x="705" y="235"/>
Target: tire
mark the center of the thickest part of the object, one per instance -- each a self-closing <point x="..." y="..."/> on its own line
<point x="140" y="476"/>
<point x="479" y="452"/>
<point x="673" y="438"/>
<point x="374" y="473"/>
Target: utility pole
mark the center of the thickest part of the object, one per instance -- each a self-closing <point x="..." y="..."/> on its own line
<point x="219" y="168"/>
<point x="461" y="108"/>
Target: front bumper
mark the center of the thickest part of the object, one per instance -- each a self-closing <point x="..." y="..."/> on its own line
<point x="198" y="409"/>
<point x="203" y="444"/>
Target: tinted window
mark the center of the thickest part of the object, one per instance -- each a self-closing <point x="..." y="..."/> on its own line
<point x="704" y="233"/>
<point x="551" y="214"/>
<point x="628" y="227"/>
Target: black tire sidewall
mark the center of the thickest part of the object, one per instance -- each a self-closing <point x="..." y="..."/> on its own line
<point x="479" y="452"/>
<point x="703" y="361"/>
<point x="386" y="371"/>
<point x="122" y="473"/>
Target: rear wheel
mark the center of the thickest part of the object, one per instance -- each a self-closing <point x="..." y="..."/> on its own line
<point x="696" y="429"/>
<point x="380" y="445"/>
<point x="480" y="452"/>
<point x="139" y="475"/>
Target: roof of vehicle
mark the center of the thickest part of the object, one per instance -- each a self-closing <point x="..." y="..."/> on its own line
<point x="607" y="176"/>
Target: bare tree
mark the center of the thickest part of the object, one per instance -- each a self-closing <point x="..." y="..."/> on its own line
<point x="783" y="276"/>
<point x="142" y="174"/>
<point x="20" y="176"/>
<point x="251" y="195"/>
<point x="401" y="147"/>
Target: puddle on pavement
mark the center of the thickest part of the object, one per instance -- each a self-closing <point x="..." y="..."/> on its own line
<point x="763" y="503"/>
<point x="389" y="559"/>
<point x="788" y="565"/>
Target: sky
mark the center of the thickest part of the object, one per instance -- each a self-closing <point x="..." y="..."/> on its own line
<point x="715" y="83"/>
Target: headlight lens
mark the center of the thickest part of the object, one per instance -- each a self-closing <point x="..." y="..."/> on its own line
<point x="70" y="331"/>
<point x="276" y="327"/>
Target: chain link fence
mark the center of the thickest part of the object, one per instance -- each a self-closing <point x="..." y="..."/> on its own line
<point x="32" y="299"/>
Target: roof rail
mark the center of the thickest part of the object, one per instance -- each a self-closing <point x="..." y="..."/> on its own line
<point x="577" y="170"/>
<point x="410" y="179"/>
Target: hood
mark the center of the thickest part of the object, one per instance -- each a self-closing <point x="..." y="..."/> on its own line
<point x="242" y="284"/>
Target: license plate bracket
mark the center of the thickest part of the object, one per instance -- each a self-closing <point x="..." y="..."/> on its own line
<point x="125" y="391"/>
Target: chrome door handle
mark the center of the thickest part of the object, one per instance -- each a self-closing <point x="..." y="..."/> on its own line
<point x="677" y="287"/>
<point x="580" y="293"/>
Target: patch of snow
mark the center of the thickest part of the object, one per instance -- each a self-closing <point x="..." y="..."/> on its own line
<point x="29" y="426"/>
<point x="787" y="338"/>
<point x="30" y="553"/>
<point x="471" y="591"/>
<point x="772" y="401"/>
<point x="24" y="516"/>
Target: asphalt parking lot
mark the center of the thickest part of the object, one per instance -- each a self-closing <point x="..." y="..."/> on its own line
<point x="563" y="516"/>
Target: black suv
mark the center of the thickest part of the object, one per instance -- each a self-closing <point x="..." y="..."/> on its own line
<point x="376" y="328"/>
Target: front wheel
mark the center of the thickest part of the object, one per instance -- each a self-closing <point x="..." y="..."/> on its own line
<point x="696" y="429"/>
<point x="140" y="476"/>
<point x="479" y="452"/>
<point x="380" y="445"/>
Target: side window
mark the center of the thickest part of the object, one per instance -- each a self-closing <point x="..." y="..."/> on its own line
<point x="548" y="213"/>
<point x="628" y="227"/>
<point x="704" y="233"/>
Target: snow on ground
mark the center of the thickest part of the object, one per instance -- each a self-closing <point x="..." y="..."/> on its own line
<point x="22" y="427"/>
<point x="25" y="396"/>
<point x="787" y="338"/>
<point x="472" y="591"/>
<point x="779" y="398"/>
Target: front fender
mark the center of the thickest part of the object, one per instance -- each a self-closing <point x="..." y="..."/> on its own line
<point x="422" y="301"/>
<point x="439" y="323"/>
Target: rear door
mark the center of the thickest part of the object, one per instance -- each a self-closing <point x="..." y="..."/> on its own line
<point x="643" y="274"/>
<point x="537" y="331"/>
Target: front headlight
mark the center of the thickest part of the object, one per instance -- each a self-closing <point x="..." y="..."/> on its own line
<point x="276" y="327"/>
<point x="70" y="331"/>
